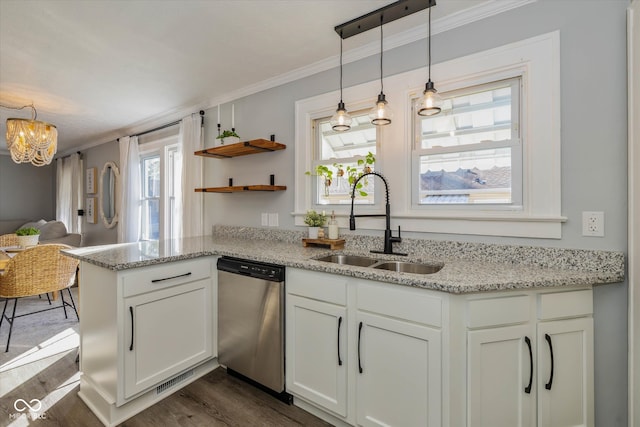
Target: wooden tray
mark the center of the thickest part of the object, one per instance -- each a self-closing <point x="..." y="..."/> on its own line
<point x="330" y="243"/>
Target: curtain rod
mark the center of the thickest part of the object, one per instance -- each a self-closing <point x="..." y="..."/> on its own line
<point x="177" y="122"/>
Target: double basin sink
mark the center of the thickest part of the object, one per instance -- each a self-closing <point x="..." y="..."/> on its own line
<point x="398" y="266"/>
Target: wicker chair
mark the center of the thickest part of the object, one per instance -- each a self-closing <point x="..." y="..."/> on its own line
<point x="7" y="240"/>
<point x="34" y="271"/>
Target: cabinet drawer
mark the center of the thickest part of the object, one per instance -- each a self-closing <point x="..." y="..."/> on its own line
<point x="319" y="286"/>
<point x="498" y="311"/>
<point x="415" y="305"/>
<point x="152" y="278"/>
<point x="565" y="304"/>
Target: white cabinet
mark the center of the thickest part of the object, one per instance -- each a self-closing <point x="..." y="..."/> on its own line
<point x="530" y="369"/>
<point x="144" y="333"/>
<point x="316" y="331"/>
<point x="386" y="338"/>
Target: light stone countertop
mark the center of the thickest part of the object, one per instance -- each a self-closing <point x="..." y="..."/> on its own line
<point x="468" y="267"/>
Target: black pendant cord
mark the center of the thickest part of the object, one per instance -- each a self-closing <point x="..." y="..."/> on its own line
<point x="381" y="54"/>
<point x="429" y="46"/>
<point x="341" y="68"/>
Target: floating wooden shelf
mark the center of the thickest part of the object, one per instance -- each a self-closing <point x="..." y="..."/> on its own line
<point x="241" y="149"/>
<point x="241" y="188"/>
<point x="330" y="243"/>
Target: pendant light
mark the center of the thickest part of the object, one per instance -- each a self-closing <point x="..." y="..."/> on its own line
<point x="341" y="120"/>
<point x="381" y="114"/>
<point x="31" y="141"/>
<point x="430" y="102"/>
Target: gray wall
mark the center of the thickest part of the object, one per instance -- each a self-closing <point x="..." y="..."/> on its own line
<point x="26" y="191"/>
<point x="594" y="175"/>
<point x="96" y="157"/>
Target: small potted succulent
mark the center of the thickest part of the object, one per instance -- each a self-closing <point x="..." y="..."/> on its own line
<point x="314" y="220"/>
<point x="28" y="236"/>
<point x="228" y="137"/>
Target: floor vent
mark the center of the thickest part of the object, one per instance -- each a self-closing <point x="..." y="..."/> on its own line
<point x="173" y="381"/>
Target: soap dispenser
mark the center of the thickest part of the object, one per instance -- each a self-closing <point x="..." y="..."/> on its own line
<point x="333" y="226"/>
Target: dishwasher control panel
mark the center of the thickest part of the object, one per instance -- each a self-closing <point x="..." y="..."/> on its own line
<point x="260" y="270"/>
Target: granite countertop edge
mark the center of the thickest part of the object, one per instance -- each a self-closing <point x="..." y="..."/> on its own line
<point x="457" y="276"/>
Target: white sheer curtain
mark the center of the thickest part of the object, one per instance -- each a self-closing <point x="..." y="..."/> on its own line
<point x="191" y="203"/>
<point x="129" y="219"/>
<point x="69" y="193"/>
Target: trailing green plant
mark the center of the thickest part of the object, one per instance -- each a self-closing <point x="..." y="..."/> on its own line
<point x="315" y="219"/>
<point x="355" y="172"/>
<point x="227" y="134"/>
<point x="27" y="231"/>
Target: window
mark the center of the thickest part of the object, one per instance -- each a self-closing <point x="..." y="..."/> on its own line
<point x="489" y="164"/>
<point x="340" y="153"/>
<point x="471" y="153"/>
<point x="159" y="163"/>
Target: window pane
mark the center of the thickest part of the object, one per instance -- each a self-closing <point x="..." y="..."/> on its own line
<point x="470" y="177"/>
<point x="151" y="177"/>
<point x="471" y="116"/>
<point x="357" y="141"/>
<point x="151" y="219"/>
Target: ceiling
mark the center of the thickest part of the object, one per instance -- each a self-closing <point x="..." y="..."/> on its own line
<point x="102" y="69"/>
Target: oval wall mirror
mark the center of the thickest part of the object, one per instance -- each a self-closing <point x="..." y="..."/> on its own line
<point x="108" y="194"/>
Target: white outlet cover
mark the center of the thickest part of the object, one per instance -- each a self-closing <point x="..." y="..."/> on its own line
<point x="273" y="219"/>
<point x="593" y="224"/>
<point x="265" y="219"/>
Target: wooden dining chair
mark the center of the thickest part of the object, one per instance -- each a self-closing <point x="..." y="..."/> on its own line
<point x="37" y="270"/>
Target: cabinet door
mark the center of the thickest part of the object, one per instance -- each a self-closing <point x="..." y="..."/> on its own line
<point x="500" y="379"/>
<point x="565" y="373"/>
<point x="166" y="332"/>
<point x="316" y="362"/>
<point x="399" y="380"/>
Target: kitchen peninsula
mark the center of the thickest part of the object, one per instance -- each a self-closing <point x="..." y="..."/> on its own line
<point x="489" y="310"/>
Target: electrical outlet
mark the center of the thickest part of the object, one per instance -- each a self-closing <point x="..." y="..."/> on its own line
<point x="265" y="219"/>
<point x="273" y="219"/>
<point x="593" y="224"/>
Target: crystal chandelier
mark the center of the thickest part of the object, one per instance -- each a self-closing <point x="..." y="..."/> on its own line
<point x="31" y="140"/>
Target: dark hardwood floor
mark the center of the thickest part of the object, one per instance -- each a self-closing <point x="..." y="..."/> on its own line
<point x="216" y="399"/>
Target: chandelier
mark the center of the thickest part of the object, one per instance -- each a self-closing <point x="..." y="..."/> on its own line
<point x="31" y="141"/>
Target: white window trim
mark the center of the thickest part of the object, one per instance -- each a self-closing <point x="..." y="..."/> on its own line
<point x="538" y="61"/>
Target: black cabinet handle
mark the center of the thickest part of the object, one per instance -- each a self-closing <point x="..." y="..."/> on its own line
<point x="339" y="324"/>
<point x="359" y="339"/>
<point x="548" y="385"/>
<point x="172" y="277"/>
<point x="131" y="313"/>
<point x="527" y="389"/>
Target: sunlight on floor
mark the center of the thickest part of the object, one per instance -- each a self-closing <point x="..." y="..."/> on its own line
<point x="53" y="349"/>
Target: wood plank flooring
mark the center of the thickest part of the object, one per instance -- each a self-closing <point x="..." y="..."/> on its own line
<point x="217" y="399"/>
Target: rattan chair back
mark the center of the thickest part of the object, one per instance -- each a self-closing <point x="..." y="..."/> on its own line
<point x="38" y="270"/>
<point x="7" y="240"/>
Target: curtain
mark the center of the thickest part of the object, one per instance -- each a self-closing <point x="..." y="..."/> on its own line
<point x="190" y="203"/>
<point x="69" y="192"/>
<point x="129" y="200"/>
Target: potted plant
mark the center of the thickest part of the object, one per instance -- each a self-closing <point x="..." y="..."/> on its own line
<point x="229" y="137"/>
<point x="314" y="220"/>
<point x="28" y="237"/>
<point x="327" y="175"/>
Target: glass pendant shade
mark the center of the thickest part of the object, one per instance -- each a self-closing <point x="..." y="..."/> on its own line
<point x="341" y="120"/>
<point x="430" y="103"/>
<point x="381" y="114"/>
<point x="31" y="141"/>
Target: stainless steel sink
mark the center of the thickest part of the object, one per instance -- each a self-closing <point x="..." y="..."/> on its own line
<point x="355" y="260"/>
<point x="399" y="266"/>
<point x="408" y="267"/>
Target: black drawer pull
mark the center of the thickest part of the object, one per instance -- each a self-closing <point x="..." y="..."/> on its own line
<point x="131" y="312"/>
<point x="172" y="277"/>
<point x="359" y="336"/>
<point x="550" y="383"/>
<point x="339" y="324"/>
<point x="527" y="389"/>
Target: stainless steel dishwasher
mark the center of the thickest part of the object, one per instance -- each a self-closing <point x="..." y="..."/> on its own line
<point x="251" y="322"/>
